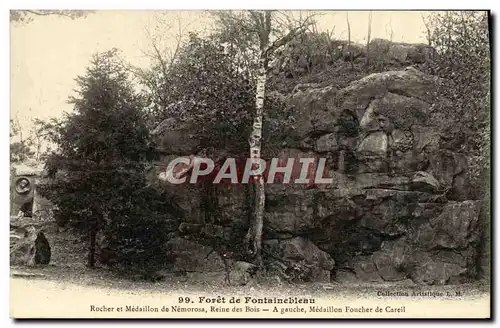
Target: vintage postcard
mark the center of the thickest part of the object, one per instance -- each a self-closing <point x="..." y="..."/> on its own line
<point x="250" y="164"/>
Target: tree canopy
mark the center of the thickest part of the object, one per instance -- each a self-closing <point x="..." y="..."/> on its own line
<point x="27" y="16"/>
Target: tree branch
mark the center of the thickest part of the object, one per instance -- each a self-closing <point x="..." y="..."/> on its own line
<point x="39" y="13"/>
<point x="259" y="22"/>
<point x="160" y="59"/>
<point x="178" y="45"/>
<point x="287" y="38"/>
<point x="267" y="26"/>
<point x="65" y="13"/>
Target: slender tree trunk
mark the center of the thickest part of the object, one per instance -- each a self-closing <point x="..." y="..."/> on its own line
<point x="38" y="148"/>
<point x="349" y="40"/>
<point x="92" y="244"/>
<point x="429" y="36"/>
<point x="368" y="38"/>
<point x="254" y="235"/>
<point x="263" y="21"/>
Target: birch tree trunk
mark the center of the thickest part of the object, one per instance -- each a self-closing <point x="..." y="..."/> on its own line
<point x="254" y="236"/>
<point x="253" y="239"/>
<point x="262" y="22"/>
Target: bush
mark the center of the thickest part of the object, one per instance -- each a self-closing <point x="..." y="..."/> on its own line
<point x="137" y="230"/>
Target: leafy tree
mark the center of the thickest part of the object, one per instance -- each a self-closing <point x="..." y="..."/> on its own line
<point x="266" y="36"/>
<point x="232" y="30"/>
<point x="203" y="89"/>
<point x="26" y="16"/>
<point x="39" y="136"/>
<point x="156" y="80"/>
<point x="20" y="151"/>
<point x="462" y="58"/>
<point x="31" y="147"/>
<point x="98" y="172"/>
<point x="217" y="85"/>
<point x="14" y="128"/>
<point x="461" y="40"/>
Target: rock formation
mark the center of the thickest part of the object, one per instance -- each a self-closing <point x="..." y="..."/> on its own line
<point x="398" y="208"/>
<point x="28" y="244"/>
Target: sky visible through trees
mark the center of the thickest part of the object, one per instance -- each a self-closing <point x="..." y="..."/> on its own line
<point x="50" y="51"/>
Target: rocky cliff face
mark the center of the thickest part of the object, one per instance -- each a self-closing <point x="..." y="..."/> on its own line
<point x="399" y="207"/>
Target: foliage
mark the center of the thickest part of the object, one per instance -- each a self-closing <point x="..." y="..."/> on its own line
<point x="20" y="151"/>
<point x="137" y="229"/>
<point x="26" y="16"/>
<point x="98" y="171"/>
<point x="31" y="147"/>
<point x="247" y="33"/>
<point x="306" y="53"/>
<point x="236" y="31"/>
<point x="299" y="272"/>
<point x="14" y="128"/>
<point x="210" y="84"/>
<point x="205" y="89"/>
<point x="462" y="58"/>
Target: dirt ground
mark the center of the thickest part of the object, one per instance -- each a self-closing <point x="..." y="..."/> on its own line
<point x="53" y="291"/>
<point x="68" y="289"/>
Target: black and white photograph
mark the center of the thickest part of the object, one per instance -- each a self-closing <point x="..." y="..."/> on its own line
<point x="250" y="164"/>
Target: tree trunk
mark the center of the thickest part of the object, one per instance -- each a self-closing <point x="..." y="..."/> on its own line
<point x="349" y="41"/>
<point x="254" y="236"/>
<point x="92" y="245"/>
<point x="368" y="38"/>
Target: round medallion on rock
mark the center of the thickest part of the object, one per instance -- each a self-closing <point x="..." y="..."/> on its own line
<point x="23" y="186"/>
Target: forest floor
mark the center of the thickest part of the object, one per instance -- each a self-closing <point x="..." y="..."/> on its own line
<point x="67" y="282"/>
<point x="101" y="278"/>
<point x="68" y="267"/>
<point x="64" y="292"/>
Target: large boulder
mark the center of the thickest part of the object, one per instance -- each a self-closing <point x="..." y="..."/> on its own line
<point x="315" y="212"/>
<point x="424" y="181"/>
<point x="399" y="206"/>
<point x="189" y="256"/>
<point x="403" y="111"/>
<point x="401" y="259"/>
<point x="301" y="257"/>
<point x="175" y="137"/>
<point x="439" y="246"/>
<point x="387" y="52"/>
<point x="240" y="273"/>
<point x="445" y="165"/>
<point x="393" y="88"/>
<point x="314" y="110"/>
<point x="456" y="227"/>
<point x="28" y="244"/>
